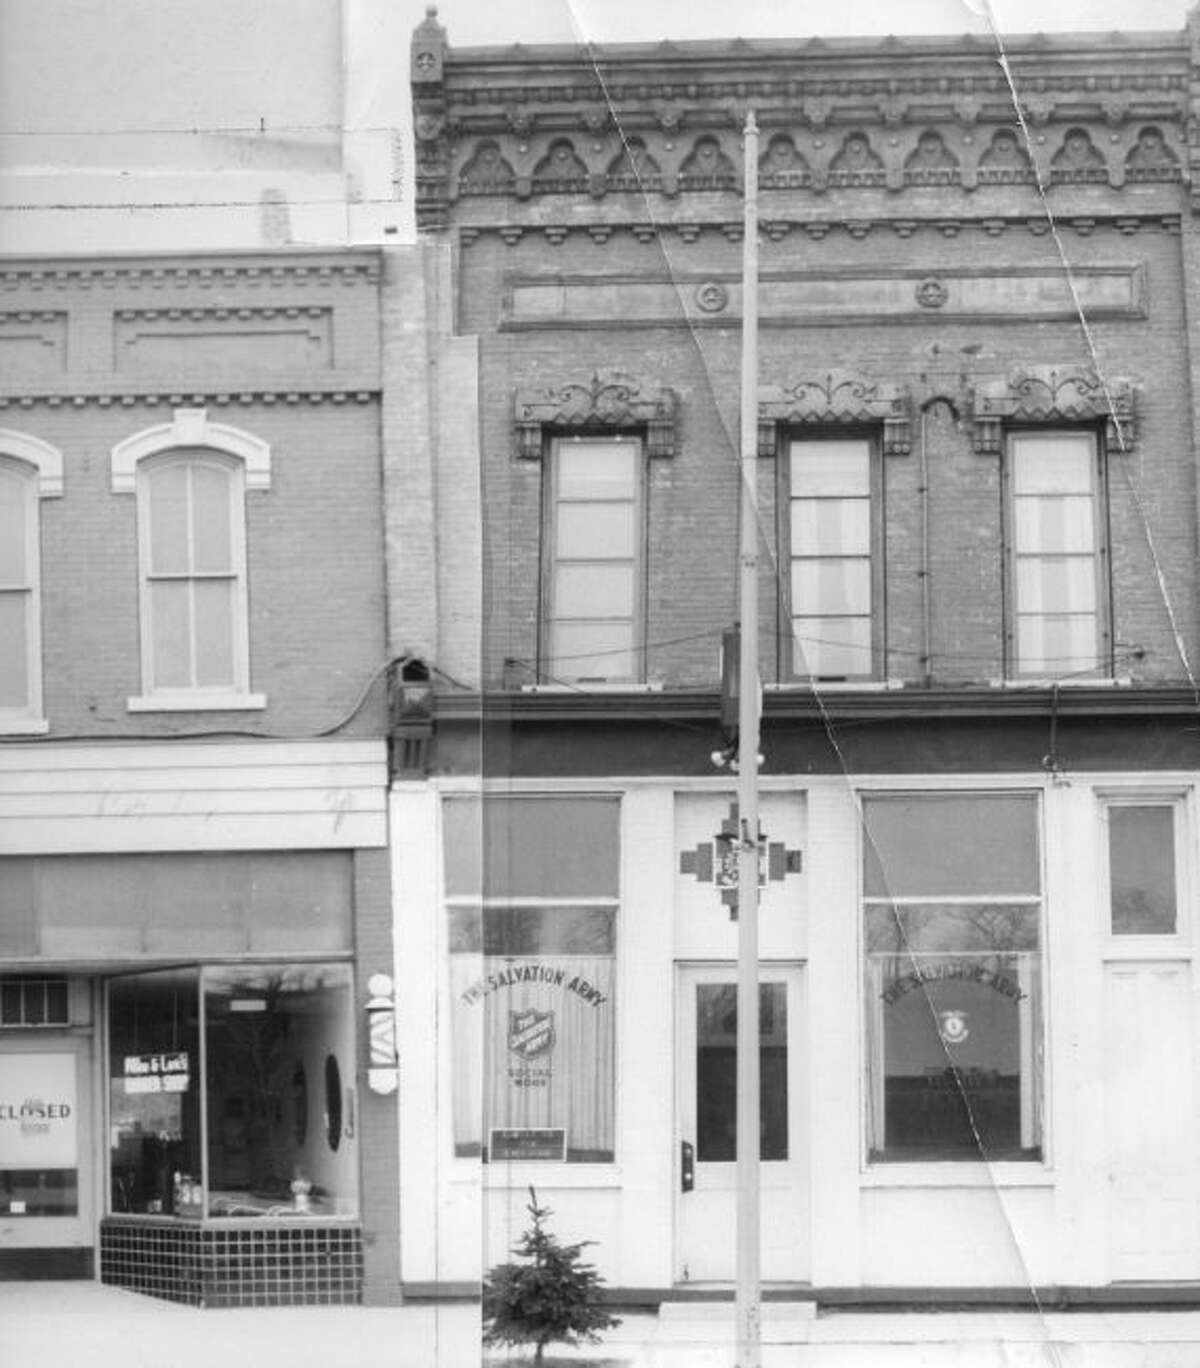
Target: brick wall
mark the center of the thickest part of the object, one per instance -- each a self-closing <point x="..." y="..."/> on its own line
<point x="692" y="497"/>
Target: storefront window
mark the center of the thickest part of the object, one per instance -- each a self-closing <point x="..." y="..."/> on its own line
<point x="227" y="1131"/>
<point x="39" y="1135"/>
<point x="532" y="931"/>
<point x="952" y="916"/>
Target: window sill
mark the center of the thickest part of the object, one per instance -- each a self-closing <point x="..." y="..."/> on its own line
<point x="199" y="702"/>
<point x="835" y="686"/>
<point x="593" y="686"/>
<point x="506" y="1177"/>
<point x="1048" y="682"/>
<point x="23" y="726"/>
<point x="965" y="1173"/>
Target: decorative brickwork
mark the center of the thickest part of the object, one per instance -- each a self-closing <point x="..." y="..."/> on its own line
<point x="835" y="399"/>
<point x="602" y="404"/>
<point x="1054" y="394"/>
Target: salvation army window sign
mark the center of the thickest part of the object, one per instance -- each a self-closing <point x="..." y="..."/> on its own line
<point x="39" y="1126"/>
<point x="535" y="1035"/>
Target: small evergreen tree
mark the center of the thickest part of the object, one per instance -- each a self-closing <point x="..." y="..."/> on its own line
<point x="551" y="1296"/>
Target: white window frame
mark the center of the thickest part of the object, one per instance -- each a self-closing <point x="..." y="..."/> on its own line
<point x="957" y="1173"/>
<point x="555" y="669"/>
<point x="190" y="437"/>
<point x="874" y="501"/>
<point x="40" y="467"/>
<point x="1102" y="671"/>
<point x="1147" y="945"/>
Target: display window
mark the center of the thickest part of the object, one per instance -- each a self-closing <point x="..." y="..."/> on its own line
<point x="953" y="977"/>
<point x="229" y="1092"/>
<point x="532" y="921"/>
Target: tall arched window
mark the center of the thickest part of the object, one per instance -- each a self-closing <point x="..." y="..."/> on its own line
<point x="190" y="478"/>
<point x="29" y="471"/>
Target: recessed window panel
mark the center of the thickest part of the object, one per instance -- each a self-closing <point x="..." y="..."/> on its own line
<point x="831" y="527"/>
<point x="597" y="470"/>
<point x="170" y="616"/>
<point x="832" y="648"/>
<point x="14" y="649"/>
<point x="213" y="601"/>
<point x="1141" y="862"/>
<point x="832" y="587"/>
<point x="594" y="591"/>
<point x="596" y="531"/>
<point x="716" y="1072"/>
<point x="830" y="469"/>
<point x="600" y="650"/>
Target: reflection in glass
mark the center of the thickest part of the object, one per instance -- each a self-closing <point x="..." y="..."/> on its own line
<point x="154" y="1092"/>
<point x="716" y="1072"/>
<point x="267" y="1026"/>
<point x="267" y="1029"/>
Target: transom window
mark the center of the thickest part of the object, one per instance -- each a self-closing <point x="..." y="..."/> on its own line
<point x="829" y="529"/>
<point x="1059" y="627"/>
<point x="594" y="572"/>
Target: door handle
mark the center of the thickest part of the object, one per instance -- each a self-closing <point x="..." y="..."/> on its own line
<point x="687" y="1166"/>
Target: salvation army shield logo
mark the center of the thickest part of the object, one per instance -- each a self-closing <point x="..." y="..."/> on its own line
<point x="530" y="1033"/>
<point x="953" y="1028"/>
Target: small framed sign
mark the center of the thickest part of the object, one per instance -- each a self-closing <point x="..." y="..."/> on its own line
<point x="529" y="1143"/>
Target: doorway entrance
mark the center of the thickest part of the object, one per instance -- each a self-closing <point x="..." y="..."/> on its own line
<point x="47" y="1190"/>
<point x="706" y="1074"/>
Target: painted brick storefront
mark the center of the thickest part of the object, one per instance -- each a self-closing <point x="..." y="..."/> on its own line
<point x="978" y="523"/>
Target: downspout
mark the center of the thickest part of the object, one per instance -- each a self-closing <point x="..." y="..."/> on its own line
<point x="925" y="572"/>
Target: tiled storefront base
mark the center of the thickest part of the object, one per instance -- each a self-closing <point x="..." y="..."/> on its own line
<point x="234" y="1265"/>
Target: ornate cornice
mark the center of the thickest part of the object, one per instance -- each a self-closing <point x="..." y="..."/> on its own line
<point x="835" y="399"/>
<point x="604" y="403"/>
<point x="133" y="398"/>
<point x="904" y="116"/>
<point x="1053" y="394"/>
<point x="196" y="274"/>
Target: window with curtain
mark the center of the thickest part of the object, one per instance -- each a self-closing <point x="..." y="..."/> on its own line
<point x="532" y="910"/>
<point x="953" y="977"/>
<point x="594" y="570"/>
<point x="20" y="606"/>
<point x="193" y="565"/>
<point x="830" y="535"/>
<point x="1059" y="628"/>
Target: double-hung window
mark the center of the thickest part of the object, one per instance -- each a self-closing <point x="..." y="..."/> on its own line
<point x="832" y="560"/>
<point x="29" y="471"/>
<point x="593" y="613"/>
<point x="193" y="567"/>
<point x="1057" y="548"/>
<point x="190" y="479"/>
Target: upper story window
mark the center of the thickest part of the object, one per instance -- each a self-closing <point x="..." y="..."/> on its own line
<point x="29" y="471"/>
<point x="830" y="532"/>
<point x="1059" y="626"/>
<point x="190" y="479"/>
<point x="594" y="573"/>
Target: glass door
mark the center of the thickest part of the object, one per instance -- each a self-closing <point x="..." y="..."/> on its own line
<point x="707" y="1114"/>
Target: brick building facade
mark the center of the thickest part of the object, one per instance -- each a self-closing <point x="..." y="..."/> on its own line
<point x="194" y="883"/>
<point x="977" y="438"/>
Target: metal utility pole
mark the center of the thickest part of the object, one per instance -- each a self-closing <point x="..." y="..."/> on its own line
<point x="748" y="1300"/>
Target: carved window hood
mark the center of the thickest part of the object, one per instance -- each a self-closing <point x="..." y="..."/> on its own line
<point x="836" y="399"/>
<point x="606" y="403"/>
<point x="1054" y="395"/>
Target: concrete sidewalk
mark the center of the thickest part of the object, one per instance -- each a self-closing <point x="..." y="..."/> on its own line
<point x="85" y="1325"/>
